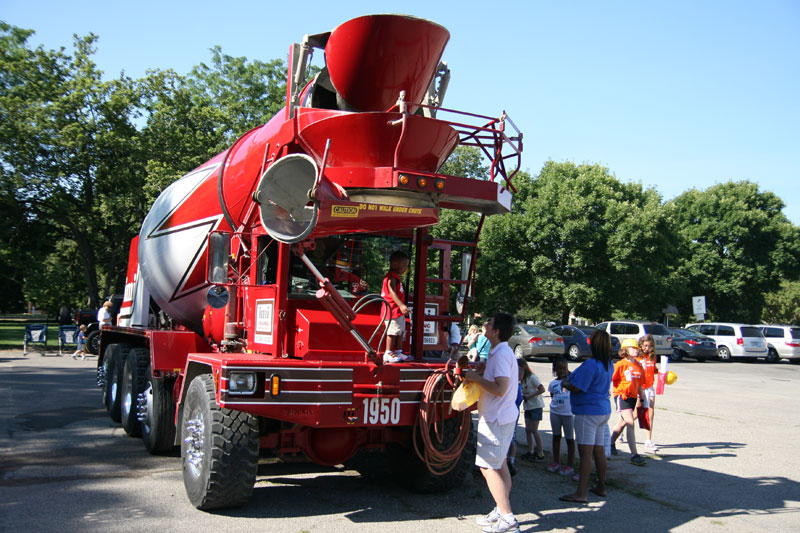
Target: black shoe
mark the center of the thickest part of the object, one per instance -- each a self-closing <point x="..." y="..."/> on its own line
<point x="511" y="469"/>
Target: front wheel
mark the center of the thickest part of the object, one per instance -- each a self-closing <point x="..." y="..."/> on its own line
<point x="219" y="449"/>
<point x="772" y="356"/>
<point x="724" y="354"/>
<point x="676" y="355"/>
<point x="573" y="352"/>
<point x="518" y="351"/>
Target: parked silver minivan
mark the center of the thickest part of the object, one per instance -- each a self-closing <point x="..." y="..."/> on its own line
<point x="733" y="340"/>
<point x="782" y="342"/>
<point x="633" y="329"/>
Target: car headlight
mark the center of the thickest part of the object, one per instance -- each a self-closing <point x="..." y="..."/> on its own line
<point x="242" y="382"/>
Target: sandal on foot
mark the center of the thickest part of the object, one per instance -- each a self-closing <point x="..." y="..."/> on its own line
<point x="597" y="491"/>
<point x="572" y="498"/>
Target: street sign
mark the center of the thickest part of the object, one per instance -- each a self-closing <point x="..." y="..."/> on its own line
<point x="699" y="305"/>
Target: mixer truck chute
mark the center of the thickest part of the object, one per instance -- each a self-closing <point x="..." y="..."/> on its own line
<point x="251" y="321"/>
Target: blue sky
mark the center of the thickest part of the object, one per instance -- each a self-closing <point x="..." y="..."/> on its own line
<point x="673" y="94"/>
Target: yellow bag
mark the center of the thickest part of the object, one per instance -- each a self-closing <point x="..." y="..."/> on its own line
<point x="465" y="395"/>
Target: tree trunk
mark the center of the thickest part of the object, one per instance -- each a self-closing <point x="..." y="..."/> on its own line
<point x="565" y="316"/>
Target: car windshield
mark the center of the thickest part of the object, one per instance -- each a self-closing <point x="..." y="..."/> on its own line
<point x="655" y="329"/>
<point x="750" y="331"/>
<point x="533" y="330"/>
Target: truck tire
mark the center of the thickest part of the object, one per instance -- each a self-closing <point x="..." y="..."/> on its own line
<point x="93" y="342"/>
<point x="219" y="449"/>
<point x="412" y="473"/>
<point x="157" y="414"/>
<point x="116" y="366"/>
<point x="133" y="378"/>
<point x="104" y="372"/>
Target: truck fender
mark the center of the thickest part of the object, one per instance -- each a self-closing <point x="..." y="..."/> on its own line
<point x="193" y="369"/>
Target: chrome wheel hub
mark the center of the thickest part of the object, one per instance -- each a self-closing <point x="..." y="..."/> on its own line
<point x="194" y="429"/>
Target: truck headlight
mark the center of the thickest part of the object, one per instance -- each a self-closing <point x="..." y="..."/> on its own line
<point x="242" y="382"/>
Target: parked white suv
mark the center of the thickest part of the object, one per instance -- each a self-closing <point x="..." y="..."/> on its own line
<point x="782" y="342"/>
<point x="633" y="329"/>
<point x="733" y="340"/>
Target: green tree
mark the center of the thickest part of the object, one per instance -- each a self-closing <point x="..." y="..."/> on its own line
<point x="739" y="246"/>
<point x="246" y="93"/>
<point x="783" y="305"/>
<point x="594" y="245"/>
<point x="69" y="150"/>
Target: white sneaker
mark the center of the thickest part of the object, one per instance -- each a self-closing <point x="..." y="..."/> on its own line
<point x="390" y="358"/>
<point x="649" y="446"/>
<point x="501" y="526"/>
<point x="489" y="519"/>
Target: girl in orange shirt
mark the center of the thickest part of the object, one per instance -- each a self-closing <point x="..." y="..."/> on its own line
<point x="647" y="358"/>
<point x="627" y="389"/>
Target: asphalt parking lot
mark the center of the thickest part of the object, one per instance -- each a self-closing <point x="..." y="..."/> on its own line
<point x="727" y="462"/>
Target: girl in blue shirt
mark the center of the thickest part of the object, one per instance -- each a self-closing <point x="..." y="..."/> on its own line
<point x="589" y="385"/>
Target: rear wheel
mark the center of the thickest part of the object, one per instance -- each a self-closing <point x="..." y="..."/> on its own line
<point x="413" y="474"/>
<point x="156" y="412"/>
<point x="573" y="352"/>
<point x="93" y="342"/>
<point x="724" y="354"/>
<point x="518" y="351"/>
<point x="772" y="356"/>
<point x="133" y="378"/>
<point x="219" y="449"/>
<point x="113" y="392"/>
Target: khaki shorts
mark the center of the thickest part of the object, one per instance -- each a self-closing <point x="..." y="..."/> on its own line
<point x="397" y="326"/>
<point x="493" y="442"/>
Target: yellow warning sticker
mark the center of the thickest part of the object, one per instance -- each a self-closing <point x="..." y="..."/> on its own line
<point x="344" y="211"/>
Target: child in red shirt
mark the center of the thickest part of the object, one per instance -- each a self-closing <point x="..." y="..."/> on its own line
<point x="394" y="293"/>
<point x="627" y="389"/>
<point x="647" y="358"/>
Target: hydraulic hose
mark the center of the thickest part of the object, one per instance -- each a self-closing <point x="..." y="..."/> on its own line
<point x="439" y="455"/>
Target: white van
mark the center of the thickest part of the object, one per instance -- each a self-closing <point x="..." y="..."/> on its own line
<point x="633" y="329"/>
<point x="782" y="342"/>
<point x="733" y="340"/>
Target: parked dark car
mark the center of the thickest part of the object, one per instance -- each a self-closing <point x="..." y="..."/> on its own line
<point x="576" y="341"/>
<point x="688" y="343"/>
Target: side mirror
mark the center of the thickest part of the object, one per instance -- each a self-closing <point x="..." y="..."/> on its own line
<point x="219" y="250"/>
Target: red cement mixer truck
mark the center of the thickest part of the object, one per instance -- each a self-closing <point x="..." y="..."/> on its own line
<point x="252" y="323"/>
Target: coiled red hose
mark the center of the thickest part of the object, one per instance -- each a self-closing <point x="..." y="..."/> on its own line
<point x="439" y="455"/>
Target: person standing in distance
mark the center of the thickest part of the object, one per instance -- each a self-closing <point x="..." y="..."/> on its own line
<point x="498" y="416"/>
<point x="104" y="314"/>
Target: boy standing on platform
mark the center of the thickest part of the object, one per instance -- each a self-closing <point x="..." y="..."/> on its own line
<point x="394" y="293"/>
